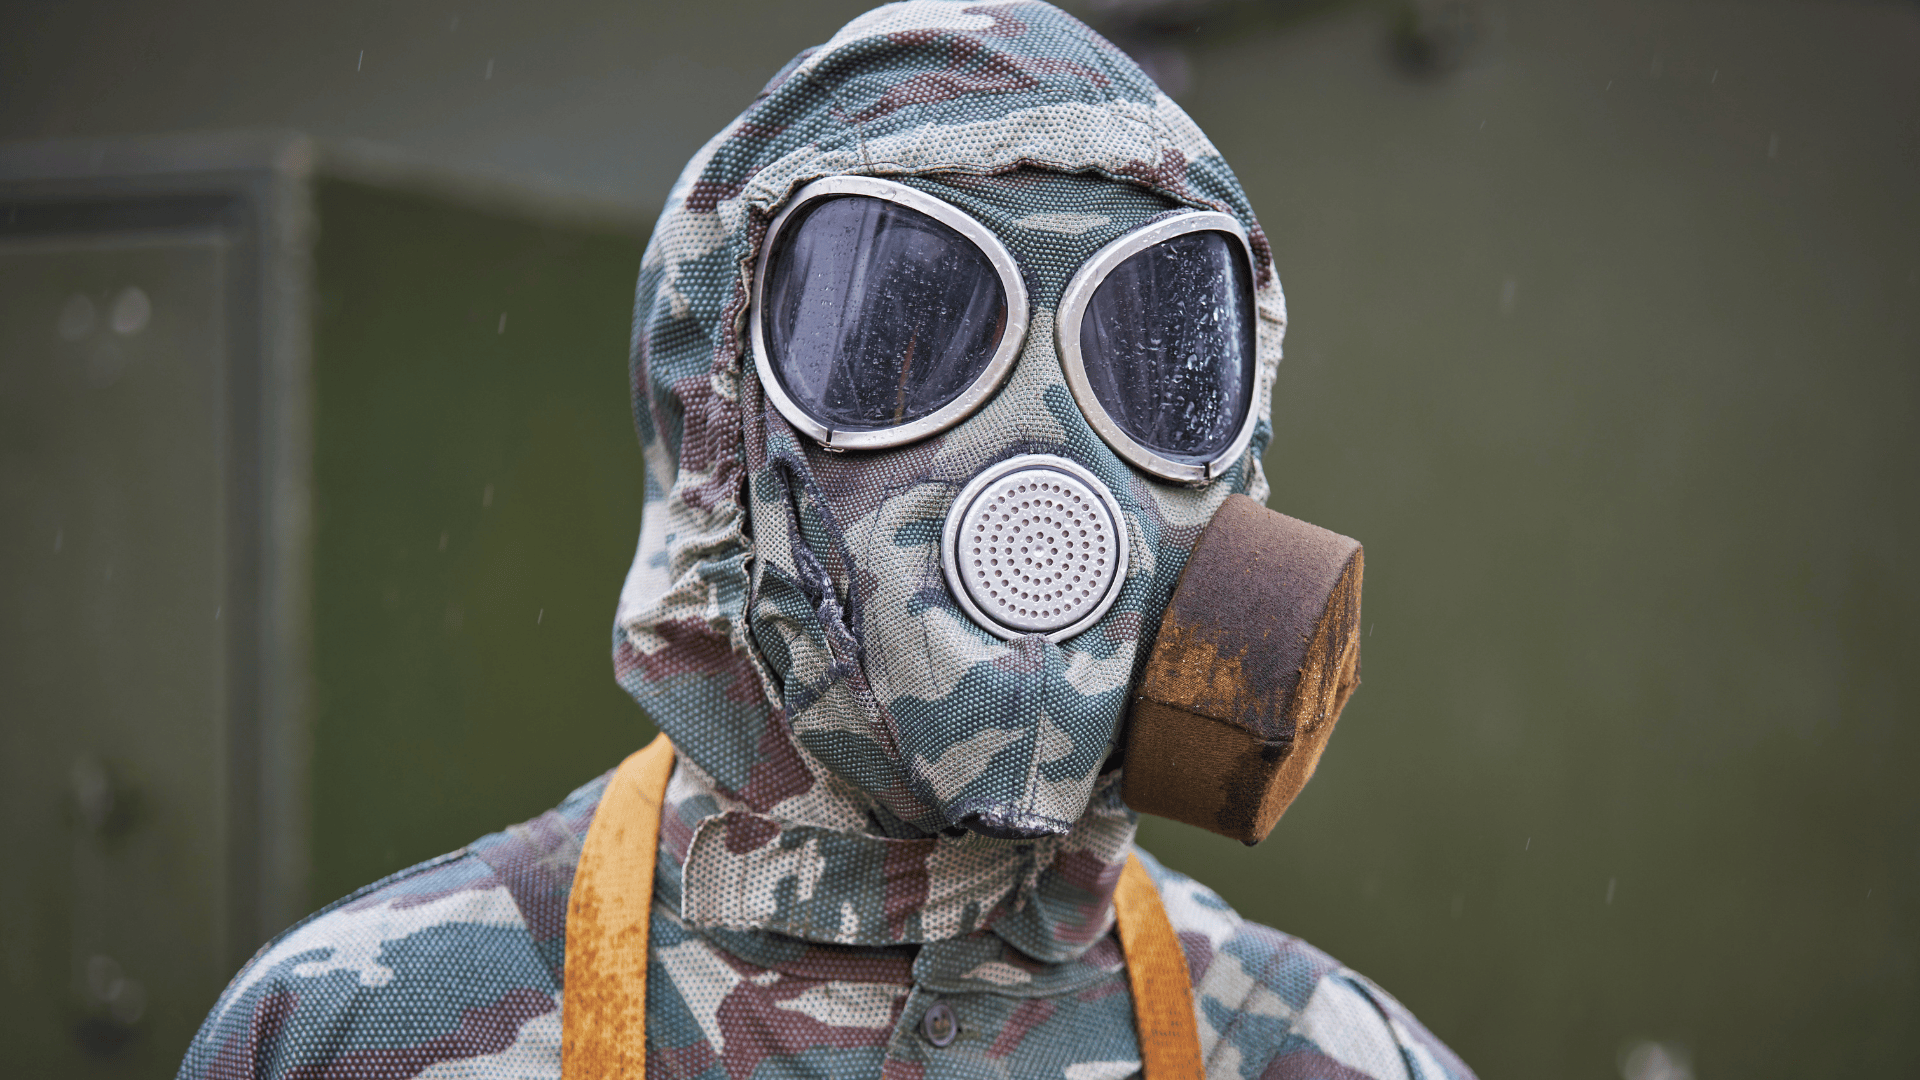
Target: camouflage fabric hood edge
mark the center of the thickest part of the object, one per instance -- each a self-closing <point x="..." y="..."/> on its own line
<point x="785" y="621"/>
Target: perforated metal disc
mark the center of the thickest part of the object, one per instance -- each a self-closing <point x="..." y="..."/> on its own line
<point x="1035" y="545"/>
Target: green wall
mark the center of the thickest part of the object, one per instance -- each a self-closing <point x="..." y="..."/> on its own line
<point x="477" y="497"/>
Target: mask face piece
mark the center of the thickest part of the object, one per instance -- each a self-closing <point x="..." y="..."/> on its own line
<point x="982" y="698"/>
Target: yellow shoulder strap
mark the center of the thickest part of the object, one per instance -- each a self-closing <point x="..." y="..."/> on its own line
<point x="604" y="1014"/>
<point x="1157" y="969"/>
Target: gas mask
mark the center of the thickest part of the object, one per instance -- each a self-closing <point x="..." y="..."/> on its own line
<point x="1004" y="407"/>
<point x="984" y="403"/>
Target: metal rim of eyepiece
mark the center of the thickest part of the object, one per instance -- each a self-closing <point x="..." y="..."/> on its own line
<point x="1012" y="339"/>
<point x="990" y="569"/>
<point x="1073" y="308"/>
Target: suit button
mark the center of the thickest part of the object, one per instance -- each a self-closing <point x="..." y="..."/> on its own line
<point x="938" y="1025"/>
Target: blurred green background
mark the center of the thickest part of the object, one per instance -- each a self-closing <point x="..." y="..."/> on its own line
<point x="477" y="497"/>
<point x="1604" y="327"/>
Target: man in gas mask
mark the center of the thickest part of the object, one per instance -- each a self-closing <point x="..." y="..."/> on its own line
<point x="946" y="354"/>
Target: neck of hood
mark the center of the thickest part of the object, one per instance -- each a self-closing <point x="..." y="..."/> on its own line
<point x="730" y="869"/>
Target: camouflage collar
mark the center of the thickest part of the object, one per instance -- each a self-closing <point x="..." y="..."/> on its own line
<point x="731" y="869"/>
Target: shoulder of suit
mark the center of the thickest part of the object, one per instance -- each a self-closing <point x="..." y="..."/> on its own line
<point x="1273" y="1006"/>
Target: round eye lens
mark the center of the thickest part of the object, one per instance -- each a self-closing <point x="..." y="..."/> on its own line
<point x="1168" y="348"/>
<point x="878" y="315"/>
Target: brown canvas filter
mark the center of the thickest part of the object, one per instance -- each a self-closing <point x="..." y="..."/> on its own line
<point x="1257" y="655"/>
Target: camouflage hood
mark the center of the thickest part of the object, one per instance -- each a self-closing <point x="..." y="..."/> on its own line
<point x="786" y="620"/>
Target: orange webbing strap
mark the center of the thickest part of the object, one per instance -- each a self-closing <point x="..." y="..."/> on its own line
<point x="1157" y="969"/>
<point x="604" y="1014"/>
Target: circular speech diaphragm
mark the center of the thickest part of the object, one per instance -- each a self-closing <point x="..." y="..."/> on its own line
<point x="1035" y="545"/>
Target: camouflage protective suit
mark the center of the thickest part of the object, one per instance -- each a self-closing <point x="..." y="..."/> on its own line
<point x="837" y="716"/>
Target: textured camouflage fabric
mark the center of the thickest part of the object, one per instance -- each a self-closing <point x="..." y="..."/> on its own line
<point x="833" y="624"/>
<point x="452" y="969"/>
<point x="786" y="622"/>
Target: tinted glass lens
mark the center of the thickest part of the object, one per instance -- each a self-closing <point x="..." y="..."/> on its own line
<point x="1167" y="341"/>
<point x="877" y="314"/>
